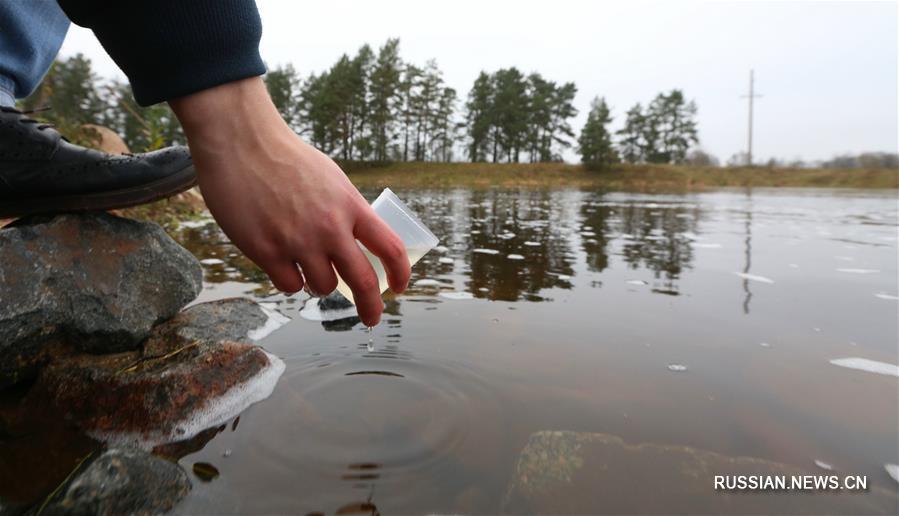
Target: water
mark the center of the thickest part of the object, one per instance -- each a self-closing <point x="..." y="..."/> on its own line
<point x="414" y="254"/>
<point x="715" y="321"/>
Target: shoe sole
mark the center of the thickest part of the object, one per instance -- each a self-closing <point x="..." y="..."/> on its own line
<point x="168" y="186"/>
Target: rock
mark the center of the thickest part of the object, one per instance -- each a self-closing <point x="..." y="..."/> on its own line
<point x="93" y="282"/>
<point x="122" y="482"/>
<point x="127" y="398"/>
<point x="561" y="472"/>
<point x="334" y="301"/>
<point x="195" y="371"/>
<point x="231" y="319"/>
<point x="104" y="139"/>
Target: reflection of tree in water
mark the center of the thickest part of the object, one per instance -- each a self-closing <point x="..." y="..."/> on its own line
<point x="595" y="219"/>
<point x="657" y="240"/>
<point x="464" y="220"/>
<point x="529" y="216"/>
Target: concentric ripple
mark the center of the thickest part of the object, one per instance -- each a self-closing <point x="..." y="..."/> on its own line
<point x="372" y="417"/>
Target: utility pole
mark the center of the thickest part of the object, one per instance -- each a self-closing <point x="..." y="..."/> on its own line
<point x="751" y="96"/>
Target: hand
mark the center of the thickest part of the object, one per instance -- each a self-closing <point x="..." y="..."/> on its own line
<point x="282" y="202"/>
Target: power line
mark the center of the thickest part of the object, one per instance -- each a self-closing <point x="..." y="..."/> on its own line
<point x="751" y="96"/>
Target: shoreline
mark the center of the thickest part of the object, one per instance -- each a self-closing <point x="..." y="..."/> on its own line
<point x="624" y="177"/>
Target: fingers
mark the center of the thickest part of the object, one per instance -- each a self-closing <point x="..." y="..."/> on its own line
<point x="356" y="271"/>
<point x="285" y="276"/>
<point x="319" y="274"/>
<point x="377" y="236"/>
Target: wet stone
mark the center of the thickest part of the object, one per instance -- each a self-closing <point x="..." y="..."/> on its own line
<point x="334" y="301"/>
<point x="90" y="282"/>
<point x="128" y="394"/>
<point x="121" y="482"/>
<point x="232" y="319"/>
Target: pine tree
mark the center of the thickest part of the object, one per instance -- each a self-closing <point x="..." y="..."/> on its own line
<point x="282" y="84"/>
<point x="478" y="117"/>
<point x="631" y="142"/>
<point x="595" y="142"/>
<point x="384" y="97"/>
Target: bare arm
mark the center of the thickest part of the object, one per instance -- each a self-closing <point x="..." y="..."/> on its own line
<point x="281" y="201"/>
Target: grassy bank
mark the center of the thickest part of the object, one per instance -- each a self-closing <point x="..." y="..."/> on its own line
<point x="642" y="178"/>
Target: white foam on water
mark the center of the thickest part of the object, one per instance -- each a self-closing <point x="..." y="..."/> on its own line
<point x="312" y="312"/>
<point x="888" y="297"/>
<point x="475" y="232"/>
<point x="441" y="249"/>
<point x="636" y="282"/>
<point x="427" y="282"/>
<point x="753" y="277"/>
<point x="764" y="344"/>
<point x="445" y="259"/>
<point x="892" y="470"/>
<point x="275" y="320"/>
<point x="457" y="295"/>
<point x="677" y="368"/>
<point x="507" y="236"/>
<point x="515" y="257"/>
<point x="215" y="411"/>
<point x="211" y="261"/>
<point x="823" y="465"/>
<point x="871" y="366"/>
<point x="531" y="243"/>
<point x="706" y="246"/>
<point x="563" y="277"/>
<point x="859" y="271"/>
<point x="195" y="223"/>
<point x="844" y="258"/>
<point x="793" y="265"/>
<point x="485" y="251"/>
<point x="588" y="233"/>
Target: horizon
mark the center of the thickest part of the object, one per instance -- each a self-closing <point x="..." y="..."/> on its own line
<point x="827" y="71"/>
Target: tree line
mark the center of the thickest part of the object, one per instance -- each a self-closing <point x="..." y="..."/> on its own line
<point x="375" y="106"/>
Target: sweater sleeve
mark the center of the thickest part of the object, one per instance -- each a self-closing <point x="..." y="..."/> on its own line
<point x="172" y="48"/>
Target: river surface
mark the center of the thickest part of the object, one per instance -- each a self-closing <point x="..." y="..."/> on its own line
<point x="705" y="320"/>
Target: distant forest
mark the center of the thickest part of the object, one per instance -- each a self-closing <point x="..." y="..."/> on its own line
<point x="374" y="106"/>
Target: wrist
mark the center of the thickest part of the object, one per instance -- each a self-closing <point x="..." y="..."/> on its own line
<point x="228" y="113"/>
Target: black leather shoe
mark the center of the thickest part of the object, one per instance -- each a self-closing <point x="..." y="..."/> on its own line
<point x="41" y="172"/>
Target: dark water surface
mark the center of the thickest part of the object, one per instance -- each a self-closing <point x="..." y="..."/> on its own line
<point x="585" y="333"/>
<point x="704" y="320"/>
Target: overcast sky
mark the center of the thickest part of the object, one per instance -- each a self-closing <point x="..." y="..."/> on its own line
<point x="827" y="70"/>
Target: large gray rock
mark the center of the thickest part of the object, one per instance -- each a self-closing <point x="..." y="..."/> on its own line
<point x="94" y="281"/>
<point x="122" y="482"/>
<point x="562" y="472"/>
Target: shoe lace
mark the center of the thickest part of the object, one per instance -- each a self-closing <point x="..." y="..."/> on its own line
<point x="25" y="119"/>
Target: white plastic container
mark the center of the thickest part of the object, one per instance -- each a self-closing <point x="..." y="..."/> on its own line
<point x="417" y="238"/>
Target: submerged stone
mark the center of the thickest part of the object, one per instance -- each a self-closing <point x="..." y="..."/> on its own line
<point x="122" y="482"/>
<point x="562" y="472"/>
<point x="90" y="282"/>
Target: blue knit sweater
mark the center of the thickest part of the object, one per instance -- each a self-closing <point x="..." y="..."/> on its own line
<point x="171" y="48"/>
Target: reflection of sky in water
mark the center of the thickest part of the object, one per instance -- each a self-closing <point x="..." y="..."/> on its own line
<point x="706" y="320"/>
